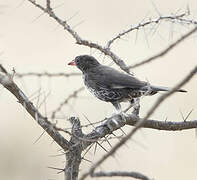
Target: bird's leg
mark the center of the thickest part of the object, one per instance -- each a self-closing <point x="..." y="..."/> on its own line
<point x="117" y="107"/>
<point x="115" y="121"/>
<point x="135" y="103"/>
<point x="132" y="103"/>
<point x="119" y="110"/>
<point x="136" y="107"/>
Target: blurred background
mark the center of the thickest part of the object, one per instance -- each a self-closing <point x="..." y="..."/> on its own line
<point x="31" y="41"/>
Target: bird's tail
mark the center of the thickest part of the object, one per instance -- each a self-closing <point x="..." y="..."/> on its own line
<point x="161" y="88"/>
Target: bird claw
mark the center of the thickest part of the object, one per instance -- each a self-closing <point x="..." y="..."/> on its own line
<point x="117" y="120"/>
<point x="122" y="114"/>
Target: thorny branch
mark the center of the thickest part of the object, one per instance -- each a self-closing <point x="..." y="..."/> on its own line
<point x="140" y="124"/>
<point x="6" y="80"/>
<point x="135" y="175"/>
<point x="164" y="125"/>
<point x="165" y="51"/>
<point x="79" y="40"/>
<point x="131" y="120"/>
<point x="73" y="95"/>
<point x="150" y="21"/>
<point x="106" y="50"/>
<point x="47" y="74"/>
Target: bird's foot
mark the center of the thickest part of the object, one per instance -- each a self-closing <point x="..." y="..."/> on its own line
<point x="136" y="109"/>
<point x="122" y="115"/>
<point x="117" y="120"/>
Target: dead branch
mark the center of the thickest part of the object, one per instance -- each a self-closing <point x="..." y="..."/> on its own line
<point x="73" y="95"/>
<point x="6" y="80"/>
<point x="78" y="39"/>
<point x="73" y="157"/>
<point x="163" y="125"/>
<point x="47" y="74"/>
<point x="106" y="50"/>
<point x="166" y="50"/>
<point x="170" y="18"/>
<point x="135" y="175"/>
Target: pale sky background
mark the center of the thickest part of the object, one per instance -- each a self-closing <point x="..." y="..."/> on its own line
<point x="33" y="43"/>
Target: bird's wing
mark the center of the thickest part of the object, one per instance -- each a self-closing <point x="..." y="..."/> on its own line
<point x="108" y="77"/>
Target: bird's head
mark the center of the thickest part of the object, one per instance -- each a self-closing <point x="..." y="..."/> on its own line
<point x="84" y="62"/>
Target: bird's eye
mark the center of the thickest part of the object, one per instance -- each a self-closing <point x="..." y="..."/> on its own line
<point x="76" y="60"/>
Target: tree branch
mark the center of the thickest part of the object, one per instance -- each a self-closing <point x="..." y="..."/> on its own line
<point x="73" y="157"/>
<point x="149" y="22"/>
<point x="106" y="50"/>
<point x="163" y="125"/>
<point x="74" y="94"/>
<point x="6" y="80"/>
<point x="165" y="51"/>
<point x="135" y="175"/>
<point x="81" y="41"/>
<point x="47" y="74"/>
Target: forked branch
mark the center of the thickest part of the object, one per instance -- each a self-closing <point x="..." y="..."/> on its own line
<point x="6" y="80"/>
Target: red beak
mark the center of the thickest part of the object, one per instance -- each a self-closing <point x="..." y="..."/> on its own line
<point x="72" y="63"/>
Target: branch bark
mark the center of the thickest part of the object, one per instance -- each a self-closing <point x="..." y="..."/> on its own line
<point x="165" y="51"/>
<point x="81" y="41"/>
<point x="47" y="74"/>
<point x="6" y="80"/>
<point x="135" y="175"/>
<point x="142" y="25"/>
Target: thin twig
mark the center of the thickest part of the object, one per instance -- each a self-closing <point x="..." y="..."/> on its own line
<point x="47" y="74"/>
<point x="73" y="95"/>
<point x="165" y="51"/>
<point x="6" y="80"/>
<point x="142" y="25"/>
<point x="135" y="175"/>
<point x="81" y="41"/>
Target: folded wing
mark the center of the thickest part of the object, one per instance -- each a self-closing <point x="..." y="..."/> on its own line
<point x="111" y="78"/>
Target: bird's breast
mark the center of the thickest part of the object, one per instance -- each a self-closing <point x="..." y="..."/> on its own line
<point x="101" y="93"/>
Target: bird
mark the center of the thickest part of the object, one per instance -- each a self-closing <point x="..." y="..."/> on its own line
<point x="111" y="85"/>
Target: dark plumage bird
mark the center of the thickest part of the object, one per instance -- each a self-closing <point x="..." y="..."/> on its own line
<point x="110" y="85"/>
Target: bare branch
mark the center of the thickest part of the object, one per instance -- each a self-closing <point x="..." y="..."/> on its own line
<point x="106" y="50"/>
<point x="135" y="175"/>
<point x="149" y="22"/>
<point x="47" y="74"/>
<point x="163" y="125"/>
<point x="48" y="5"/>
<point x="139" y="124"/>
<point x="73" y="157"/>
<point x="131" y="120"/>
<point x="3" y="70"/>
<point x="73" y="95"/>
<point x="7" y="81"/>
<point x="165" y="51"/>
<point x="188" y="115"/>
<point x="81" y="41"/>
<point x="60" y="170"/>
<point x="188" y="21"/>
